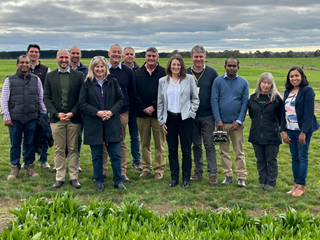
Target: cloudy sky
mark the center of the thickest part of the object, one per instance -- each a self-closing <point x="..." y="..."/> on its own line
<point x="246" y="25"/>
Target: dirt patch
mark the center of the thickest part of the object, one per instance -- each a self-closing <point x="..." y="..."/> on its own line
<point x="5" y="215"/>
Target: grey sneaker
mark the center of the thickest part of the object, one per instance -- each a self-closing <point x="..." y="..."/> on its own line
<point x="260" y="186"/>
<point x="45" y="165"/>
<point x="227" y="180"/>
<point x="80" y="169"/>
<point x="241" y="182"/>
<point x="267" y="187"/>
<point x="137" y="166"/>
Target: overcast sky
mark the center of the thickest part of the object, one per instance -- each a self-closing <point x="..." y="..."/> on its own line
<point x="246" y="25"/>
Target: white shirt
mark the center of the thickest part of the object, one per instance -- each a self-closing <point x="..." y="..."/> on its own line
<point x="173" y="95"/>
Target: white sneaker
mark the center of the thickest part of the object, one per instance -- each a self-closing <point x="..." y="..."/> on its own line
<point x="45" y="165"/>
<point x="22" y="165"/>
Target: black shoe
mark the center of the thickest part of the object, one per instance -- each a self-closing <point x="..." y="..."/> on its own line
<point x="185" y="184"/>
<point x="75" y="183"/>
<point x="57" y="184"/>
<point x="173" y="183"/>
<point x="125" y="178"/>
<point x="80" y="169"/>
<point x="99" y="186"/>
<point x="53" y="170"/>
<point x="105" y="177"/>
<point x="241" y="182"/>
<point x="120" y="186"/>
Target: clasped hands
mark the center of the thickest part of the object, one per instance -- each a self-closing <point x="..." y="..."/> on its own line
<point x="105" y="114"/>
<point x="65" y="116"/>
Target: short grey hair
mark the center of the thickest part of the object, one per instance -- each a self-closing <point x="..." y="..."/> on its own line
<point x="129" y="48"/>
<point x="198" y="49"/>
<point x="152" y="49"/>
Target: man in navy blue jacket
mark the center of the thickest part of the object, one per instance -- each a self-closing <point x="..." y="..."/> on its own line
<point x="126" y="80"/>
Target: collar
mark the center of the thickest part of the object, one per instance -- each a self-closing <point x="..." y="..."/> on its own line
<point x="226" y="76"/>
<point x="111" y="66"/>
<point x="67" y="71"/>
<point x="79" y="65"/>
<point x="204" y="66"/>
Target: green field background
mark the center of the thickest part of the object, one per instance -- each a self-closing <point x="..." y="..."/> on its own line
<point x="250" y="69"/>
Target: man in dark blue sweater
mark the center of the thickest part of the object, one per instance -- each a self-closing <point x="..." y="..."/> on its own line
<point x="203" y="125"/>
<point x="230" y="94"/>
<point x="126" y="80"/>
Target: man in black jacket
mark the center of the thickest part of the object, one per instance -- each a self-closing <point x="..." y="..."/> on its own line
<point x="147" y="79"/>
<point x="33" y="52"/>
<point x="61" y="94"/>
<point x="128" y="56"/>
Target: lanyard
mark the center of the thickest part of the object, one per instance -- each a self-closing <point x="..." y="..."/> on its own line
<point x="197" y="79"/>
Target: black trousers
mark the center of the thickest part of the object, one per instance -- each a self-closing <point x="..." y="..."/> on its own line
<point x="267" y="163"/>
<point x="184" y="128"/>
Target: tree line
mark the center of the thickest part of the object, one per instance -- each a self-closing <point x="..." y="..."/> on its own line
<point x="47" y="54"/>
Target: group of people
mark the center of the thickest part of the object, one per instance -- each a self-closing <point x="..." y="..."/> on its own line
<point x="169" y="103"/>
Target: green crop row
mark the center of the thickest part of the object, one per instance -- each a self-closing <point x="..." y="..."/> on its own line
<point x="66" y="217"/>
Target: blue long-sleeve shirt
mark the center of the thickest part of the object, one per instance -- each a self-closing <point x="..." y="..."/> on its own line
<point x="229" y="98"/>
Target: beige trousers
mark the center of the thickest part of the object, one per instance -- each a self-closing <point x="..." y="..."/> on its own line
<point x="65" y="135"/>
<point x="237" y="144"/>
<point x="145" y="125"/>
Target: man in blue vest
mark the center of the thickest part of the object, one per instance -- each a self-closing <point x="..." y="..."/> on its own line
<point x="21" y="102"/>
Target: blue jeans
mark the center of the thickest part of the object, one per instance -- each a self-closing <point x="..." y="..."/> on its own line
<point x="16" y="132"/>
<point x="134" y="137"/>
<point x="299" y="156"/>
<point x="97" y="161"/>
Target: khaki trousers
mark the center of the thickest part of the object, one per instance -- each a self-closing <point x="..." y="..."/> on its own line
<point x="145" y="125"/>
<point x="124" y="118"/>
<point x="65" y="135"/>
<point x="237" y="144"/>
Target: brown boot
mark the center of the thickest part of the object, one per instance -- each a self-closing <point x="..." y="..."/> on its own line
<point x="213" y="181"/>
<point x="30" y="172"/>
<point x="14" y="172"/>
<point x="293" y="189"/>
<point x="299" y="191"/>
<point x="197" y="176"/>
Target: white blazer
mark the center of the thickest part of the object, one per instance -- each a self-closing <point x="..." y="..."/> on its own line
<point x="189" y="99"/>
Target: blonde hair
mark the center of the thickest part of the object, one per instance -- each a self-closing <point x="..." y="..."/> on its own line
<point x="94" y="62"/>
<point x="273" y="91"/>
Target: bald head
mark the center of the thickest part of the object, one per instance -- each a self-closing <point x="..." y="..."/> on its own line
<point x="63" y="59"/>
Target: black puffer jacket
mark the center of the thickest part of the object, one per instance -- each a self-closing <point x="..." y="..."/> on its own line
<point x="265" y="121"/>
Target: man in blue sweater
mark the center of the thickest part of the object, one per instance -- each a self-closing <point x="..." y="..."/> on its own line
<point x="203" y="124"/>
<point x="229" y="99"/>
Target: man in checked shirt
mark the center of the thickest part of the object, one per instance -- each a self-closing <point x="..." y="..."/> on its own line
<point x="21" y="102"/>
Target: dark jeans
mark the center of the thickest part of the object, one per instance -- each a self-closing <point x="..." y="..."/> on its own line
<point x="177" y="127"/>
<point x="267" y="163"/>
<point x="79" y="140"/>
<point x="134" y="137"/>
<point x="97" y="161"/>
<point x="16" y="132"/>
<point x="299" y="156"/>
<point x="203" y="128"/>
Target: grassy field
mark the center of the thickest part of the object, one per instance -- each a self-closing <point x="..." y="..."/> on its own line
<point x="278" y="67"/>
<point x="156" y="194"/>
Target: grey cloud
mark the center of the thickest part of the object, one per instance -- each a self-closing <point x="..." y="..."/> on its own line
<point x="171" y="25"/>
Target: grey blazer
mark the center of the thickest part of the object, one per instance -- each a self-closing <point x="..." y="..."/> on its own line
<point x="189" y="98"/>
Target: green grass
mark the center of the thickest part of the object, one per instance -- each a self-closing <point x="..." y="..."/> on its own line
<point x="157" y="193"/>
<point x="62" y="216"/>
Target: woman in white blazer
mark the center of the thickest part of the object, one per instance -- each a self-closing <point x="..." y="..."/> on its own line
<point x="178" y="102"/>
